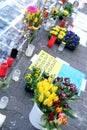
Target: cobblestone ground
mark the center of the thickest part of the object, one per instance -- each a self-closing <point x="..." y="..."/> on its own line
<point x="20" y="105"/>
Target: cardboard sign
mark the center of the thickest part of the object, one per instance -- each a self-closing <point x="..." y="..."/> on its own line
<point x="57" y="67"/>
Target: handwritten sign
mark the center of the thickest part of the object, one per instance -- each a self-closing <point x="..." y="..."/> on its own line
<point x="48" y="63"/>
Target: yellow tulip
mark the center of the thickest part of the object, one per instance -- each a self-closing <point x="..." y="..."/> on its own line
<point x="36" y="19"/>
<point x="41" y="98"/>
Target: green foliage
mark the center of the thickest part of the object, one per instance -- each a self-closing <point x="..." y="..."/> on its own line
<point x="69" y="8"/>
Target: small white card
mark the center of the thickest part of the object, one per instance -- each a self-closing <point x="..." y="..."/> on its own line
<point x="2" y="119"/>
<point x="34" y="58"/>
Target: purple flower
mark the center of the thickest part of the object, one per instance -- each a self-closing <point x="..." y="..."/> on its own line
<point x="66" y="105"/>
<point x="62" y="87"/>
<point x="72" y="87"/>
<point x="63" y="95"/>
<point x="57" y="80"/>
<point x="67" y="81"/>
<point x="76" y="91"/>
<point x="67" y="94"/>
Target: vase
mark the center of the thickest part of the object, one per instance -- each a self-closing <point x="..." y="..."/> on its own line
<point x="59" y="5"/>
<point x="29" y="50"/>
<point x="49" y="24"/>
<point x="35" y="117"/>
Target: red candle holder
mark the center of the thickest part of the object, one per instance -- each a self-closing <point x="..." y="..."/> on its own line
<point x="63" y="1"/>
<point x="63" y="22"/>
<point x="51" y="42"/>
<point x="10" y="61"/>
<point x="3" y="69"/>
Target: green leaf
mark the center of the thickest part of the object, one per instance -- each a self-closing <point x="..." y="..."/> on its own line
<point x="70" y="114"/>
<point x="76" y="99"/>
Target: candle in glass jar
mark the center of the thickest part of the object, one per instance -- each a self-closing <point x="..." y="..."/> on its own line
<point x="10" y="61"/>
<point x="63" y="1"/>
<point x="3" y="69"/>
<point x="16" y="75"/>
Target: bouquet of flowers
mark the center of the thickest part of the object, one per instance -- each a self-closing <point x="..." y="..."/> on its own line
<point x="69" y="8"/>
<point x="63" y="14"/>
<point x="72" y="40"/>
<point x="54" y="12"/>
<point x="52" y="97"/>
<point x="33" y="77"/>
<point x="32" y="21"/>
<point x="59" y="32"/>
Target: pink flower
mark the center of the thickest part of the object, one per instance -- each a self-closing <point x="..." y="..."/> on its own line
<point x="61" y="115"/>
<point x="32" y="9"/>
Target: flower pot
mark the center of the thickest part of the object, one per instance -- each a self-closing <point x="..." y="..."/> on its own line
<point x="60" y="17"/>
<point x="70" y="47"/>
<point x="27" y="89"/>
<point x="35" y="117"/>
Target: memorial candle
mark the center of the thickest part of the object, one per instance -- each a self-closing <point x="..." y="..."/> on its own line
<point x="10" y="61"/>
<point x="3" y="69"/>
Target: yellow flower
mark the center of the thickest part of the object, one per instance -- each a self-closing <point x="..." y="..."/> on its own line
<point x="36" y="75"/>
<point x="54" y="11"/>
<point x="30" y="80"/>
<point x="65" y="12"/>
<point x="48" y="102"/>
<point x="63" y="29"/>
<point x="62" y="33"/>
<point x="50" y="80"/>
<point x="38" y="12"/>
<point x="58" y="121"/>
<point x="41" y="98"/>
<point x="40" y="89"/>
<point x="28" y="76"/>
<point x="53" y="32"/>
<point x="23" y="32"/>
<point x="29" y="16"/>
<point x="56" y="98"/>
<point x="47" y="93"/>
<point x="36" y="19"/>
<point x="33" y="14"/>
<point x="60" y="36"/>
<point x="54" y="89"/>
<point x="32" y="28"/>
